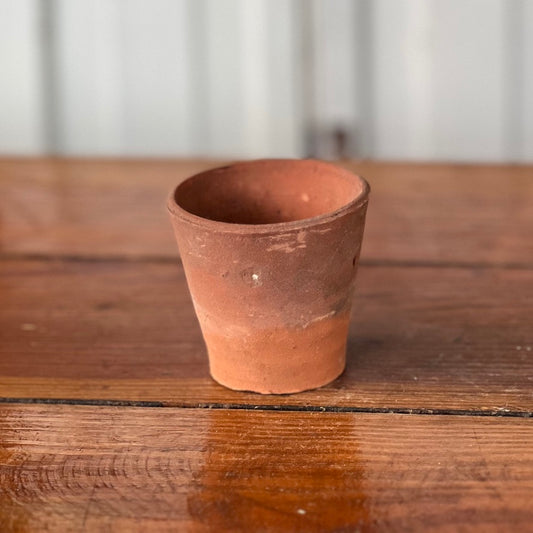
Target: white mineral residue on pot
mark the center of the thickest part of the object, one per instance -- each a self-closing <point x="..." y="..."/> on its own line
<point x="289" y="245"/>
<point x="252" y="277"/>
<point x="325" y="230"/>
<point x="319" y="318"/>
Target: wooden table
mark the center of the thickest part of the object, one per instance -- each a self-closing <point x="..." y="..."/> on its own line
<point x="109" y="420"/>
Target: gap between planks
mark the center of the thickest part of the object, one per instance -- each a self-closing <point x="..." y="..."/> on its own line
<point x="270" y="407"/>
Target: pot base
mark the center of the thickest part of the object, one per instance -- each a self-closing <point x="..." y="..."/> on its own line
<point x="280" y="360"/>
<point x="245" y="388"/>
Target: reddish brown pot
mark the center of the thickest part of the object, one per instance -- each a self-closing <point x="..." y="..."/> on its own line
<point x="270" y="251"/>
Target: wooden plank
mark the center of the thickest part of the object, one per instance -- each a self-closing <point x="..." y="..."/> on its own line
<point x="421" y="338"/>
<point x="71" y="468"/>
<point x="464" y="214"/>
<point x="89" y="207"/>
<point x="423" y="213"/>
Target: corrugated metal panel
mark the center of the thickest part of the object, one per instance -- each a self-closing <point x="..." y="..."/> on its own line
<point x="402" y="79"/>
<point x="22" y="127"/>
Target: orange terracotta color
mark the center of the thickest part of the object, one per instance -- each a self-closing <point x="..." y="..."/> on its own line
<point x="270" y="250"/>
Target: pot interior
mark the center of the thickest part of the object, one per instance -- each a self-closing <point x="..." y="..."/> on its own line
<point x="268" y="191"/>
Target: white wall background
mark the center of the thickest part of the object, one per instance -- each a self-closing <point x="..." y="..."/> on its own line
<point x="396" y="79"/>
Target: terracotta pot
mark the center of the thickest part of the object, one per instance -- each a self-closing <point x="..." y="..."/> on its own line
<point x="270" y="251"/>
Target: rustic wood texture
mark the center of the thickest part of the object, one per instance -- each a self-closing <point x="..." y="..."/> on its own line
<point x="89" y="207"/>
<point x="94" y="310"/>
<point x="464" y="214"/>
<point x="421" y="338"/>
<point x="71" y="468"/>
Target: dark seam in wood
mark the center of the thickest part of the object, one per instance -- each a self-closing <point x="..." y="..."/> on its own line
<point x="266" y="407"/>
<point x="75" y="258"/>
<point x="167" y="259"/>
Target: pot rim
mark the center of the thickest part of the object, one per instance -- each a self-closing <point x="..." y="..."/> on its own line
<point x="274" y="227"/>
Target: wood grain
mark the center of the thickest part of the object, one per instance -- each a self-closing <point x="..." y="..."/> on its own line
<point x="89" y="207"/>
<point x="94" y="308"/>
<point x="465" y="214"/>
<point x="421" y="338"/>
<point x="65" y="468"/>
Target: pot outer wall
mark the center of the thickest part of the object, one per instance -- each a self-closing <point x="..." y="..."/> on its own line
<point x="274" y="308"/>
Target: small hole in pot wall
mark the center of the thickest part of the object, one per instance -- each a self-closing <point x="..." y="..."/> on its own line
<point x="252" y="277"/>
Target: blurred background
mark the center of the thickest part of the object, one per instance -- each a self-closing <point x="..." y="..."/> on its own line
<point x="386" y="79"/>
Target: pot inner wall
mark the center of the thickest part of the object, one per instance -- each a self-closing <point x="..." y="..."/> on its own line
<point x="269" y="191"/>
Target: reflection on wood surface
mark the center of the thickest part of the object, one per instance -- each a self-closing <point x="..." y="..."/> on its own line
<point x="72" y="468"/>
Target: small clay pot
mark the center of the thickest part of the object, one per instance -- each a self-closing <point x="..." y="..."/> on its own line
<point x="270" y="250"/>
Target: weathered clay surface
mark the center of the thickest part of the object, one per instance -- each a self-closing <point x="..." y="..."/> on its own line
<point x="270" y="250"/>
